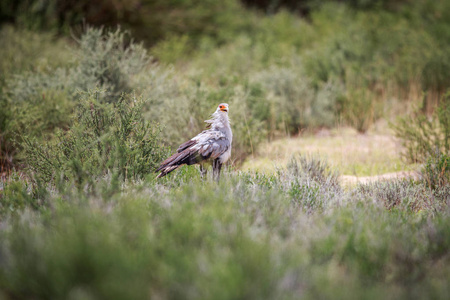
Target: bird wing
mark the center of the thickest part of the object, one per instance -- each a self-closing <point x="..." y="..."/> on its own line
<point x="186" y="145"/>
<point x="208" y="144"/>
<point x="211" y="143"/>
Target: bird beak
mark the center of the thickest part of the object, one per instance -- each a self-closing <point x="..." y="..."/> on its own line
<point x="224" y="109"/>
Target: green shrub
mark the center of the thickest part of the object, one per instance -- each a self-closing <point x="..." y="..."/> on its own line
<point x="352" y="62"/>
<point x="430" y="194"/>
<point x="103" y="139"/>
<point x="292" y="103"/>
<point x="436" y="172"/>
<point x="399" y="194"/>
<point x="24" y="51"/>
<point x="326" y="104"/>
<point x="42" y="114"/>
<point x="248" y="131"/>
<point x="16" y="195"/>
<point x="40" y="100"/>
<point x="290" y="97"/>
<point x="311" y="184"/>
<point x="422" y="136"/>
<point x="242" y="238"/>
<point x="172" y="49"/>
<point x="107" y="60"/>
<point x="380" y="47"/>
<point x="436" y="72"/>
<point x="358" y="108"/>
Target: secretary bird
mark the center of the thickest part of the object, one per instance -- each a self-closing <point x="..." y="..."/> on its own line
<point x="211" y="144"/>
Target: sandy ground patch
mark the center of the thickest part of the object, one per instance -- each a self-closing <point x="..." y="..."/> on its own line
<point x="350" y="180"/>
<point x="353" y="154"/>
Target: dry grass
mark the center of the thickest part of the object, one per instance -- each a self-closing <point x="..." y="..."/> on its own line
<point x="374" y="153"/>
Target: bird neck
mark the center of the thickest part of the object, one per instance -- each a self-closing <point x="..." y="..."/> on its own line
<point x="219" y="119"/>
<point x="223" y="117"/>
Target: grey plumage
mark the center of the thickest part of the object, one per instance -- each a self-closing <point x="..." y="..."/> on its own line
<point x="213" y="143"/>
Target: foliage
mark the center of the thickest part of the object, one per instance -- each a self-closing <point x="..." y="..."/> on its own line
<point x="359" y="108"/>
<point x="423" y="137"/>
<point x="105" y="59"/>
<point x="39" y="100"/>
<point x="17" y="194"/>
<point x="24" y="51"/>
<point x="280" y="73"/>
<point x="92" y="222"/>
<point x="104" y="139"/>
<point x="345" y="66"/>
<point x="311" y="184"/>
<point x="436" y="171"/>
<point x="372" y="47"/>
<point x="398" y="194"/>
<point x="305" y="6"/>
<point x="150" y="21"/>
<point x="248" y="237"/>
<point x="292" y="102"/>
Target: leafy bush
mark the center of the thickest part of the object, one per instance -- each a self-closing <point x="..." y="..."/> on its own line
<point x="18" y="194"/>
<point x="359" y="108"/>
<point x="41" y="114"/>
<point x="24" y="51"/>
<point x="243" y="238"/>
<point x="39" y="101"/>
<point x="106" y="60"/>
<point x="436" y="172"/>
<point x="103" y="139"/>
<point x="360" y="47"/>
<point x="422" y="136"/>
<point x="399" y="194"/>
<point x="311" y="184"/>
<point x="292" y="103"/>
<point x="348" y="68"/>
<point x="290" y="97"/>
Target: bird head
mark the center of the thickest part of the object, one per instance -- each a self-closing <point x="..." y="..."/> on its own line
<point x="223" y="107"/>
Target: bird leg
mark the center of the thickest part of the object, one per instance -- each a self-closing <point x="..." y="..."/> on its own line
<point x="217" y="166"/>
<point x="203" y="171"/>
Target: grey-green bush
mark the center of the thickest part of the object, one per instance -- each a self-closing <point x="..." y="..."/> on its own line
<point x="25" y="51"/>
<point x="399" y="194"/>
<point x="245" y="237"/>
<point x="104" y="139"/>
<point x="311" y="184"/>
<point x="436" y="172"/>
<point x="37" y="100"/>
<point x="107" y="60"/>
<point x="424" y="136"/>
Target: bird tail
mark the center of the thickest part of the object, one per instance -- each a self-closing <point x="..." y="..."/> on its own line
<point x="176" y="161"/>
<point x="166" y="170"/>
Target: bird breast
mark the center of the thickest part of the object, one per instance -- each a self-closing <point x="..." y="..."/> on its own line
<point x="225" y="156"/>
